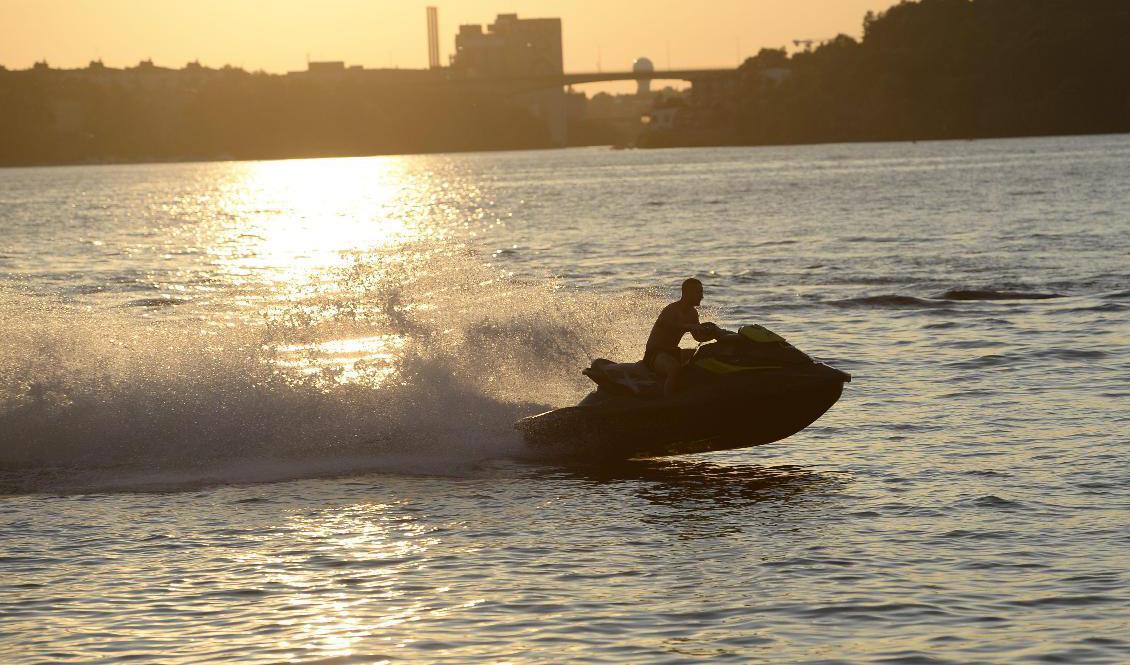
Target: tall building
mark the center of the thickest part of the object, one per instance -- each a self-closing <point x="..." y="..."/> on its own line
<point x="514" y="48"/>
<point x="509" y="48"/>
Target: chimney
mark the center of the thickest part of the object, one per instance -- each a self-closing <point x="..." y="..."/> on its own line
<point x="433" y="38"/>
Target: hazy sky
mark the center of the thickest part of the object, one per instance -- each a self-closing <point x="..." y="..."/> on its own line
<point x="277" y="35"/>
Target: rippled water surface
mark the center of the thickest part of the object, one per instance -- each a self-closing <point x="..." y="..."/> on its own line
<point x="262" y="411"/>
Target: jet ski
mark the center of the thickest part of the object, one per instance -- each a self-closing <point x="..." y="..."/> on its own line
<point x="742" y="389"/>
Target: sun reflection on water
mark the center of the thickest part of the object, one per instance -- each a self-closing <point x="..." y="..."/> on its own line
<point x="287" y="223"/>
<point x="285" y="233"/>
<point x="371" y="545"/>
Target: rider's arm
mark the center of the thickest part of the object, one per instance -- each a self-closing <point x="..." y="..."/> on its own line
<point x="699" y="332"/>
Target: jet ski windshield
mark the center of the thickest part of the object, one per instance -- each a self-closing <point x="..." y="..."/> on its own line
<point x="751" y="347"/>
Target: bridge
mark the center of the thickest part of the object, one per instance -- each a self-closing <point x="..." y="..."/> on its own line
<point x="670" y="74"/>
<point x="545" y="94"/>
<point x="532" y="83"/>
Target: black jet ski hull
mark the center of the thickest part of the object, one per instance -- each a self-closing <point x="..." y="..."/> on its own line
<point x="698" y="421"/>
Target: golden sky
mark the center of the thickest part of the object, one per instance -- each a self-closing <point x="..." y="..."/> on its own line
<point x="277" y="35"/>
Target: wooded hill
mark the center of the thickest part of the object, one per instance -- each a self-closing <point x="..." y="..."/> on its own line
<point x="945" y="69"/>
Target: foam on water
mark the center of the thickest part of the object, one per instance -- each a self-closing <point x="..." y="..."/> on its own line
<point x="418" y="361"/>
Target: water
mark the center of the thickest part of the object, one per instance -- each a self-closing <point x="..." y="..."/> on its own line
<point x="262" y="411"/>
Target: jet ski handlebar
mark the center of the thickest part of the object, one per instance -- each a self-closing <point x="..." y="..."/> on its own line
<point x="716" y="331"/>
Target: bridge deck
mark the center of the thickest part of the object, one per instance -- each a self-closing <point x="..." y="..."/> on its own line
<point x="672" y="74"/>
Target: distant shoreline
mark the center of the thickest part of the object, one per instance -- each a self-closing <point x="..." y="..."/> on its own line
<point x="923" y="71"/>
<point x="488" y="151"/>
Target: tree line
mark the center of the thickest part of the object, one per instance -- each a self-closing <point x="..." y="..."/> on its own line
<point x="69" y="116"/>
<point x="947" y="69"/>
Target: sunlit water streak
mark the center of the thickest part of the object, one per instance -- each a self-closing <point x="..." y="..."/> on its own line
<point x="262" y="411"/>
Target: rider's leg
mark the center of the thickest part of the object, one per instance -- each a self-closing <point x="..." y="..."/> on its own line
<point x="669" y="366"/>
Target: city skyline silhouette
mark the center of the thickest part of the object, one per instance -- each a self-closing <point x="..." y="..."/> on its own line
<point x="383" y="34"/>
<point x="935" y="69"/>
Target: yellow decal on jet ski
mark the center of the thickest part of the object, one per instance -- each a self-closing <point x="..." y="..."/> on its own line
<point x="718" y="367"/>
<point x="756" y="333"/>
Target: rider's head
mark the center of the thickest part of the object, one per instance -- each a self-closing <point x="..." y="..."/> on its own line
<point x="692" y="291"/>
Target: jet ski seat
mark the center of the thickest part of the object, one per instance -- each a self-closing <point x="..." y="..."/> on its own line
<point x="625" y="378"/>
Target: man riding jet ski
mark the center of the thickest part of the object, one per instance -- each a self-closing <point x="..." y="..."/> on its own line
<point x="662" y="353"/>
<point x="745" y="388"/>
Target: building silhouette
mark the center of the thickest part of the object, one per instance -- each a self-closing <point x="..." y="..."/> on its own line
<point x="509" y="48"/>
<point x="518" y="49"/>
<point x="504" y="88"/>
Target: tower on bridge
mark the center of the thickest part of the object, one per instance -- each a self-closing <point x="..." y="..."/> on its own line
<point x="643" y="66"/>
